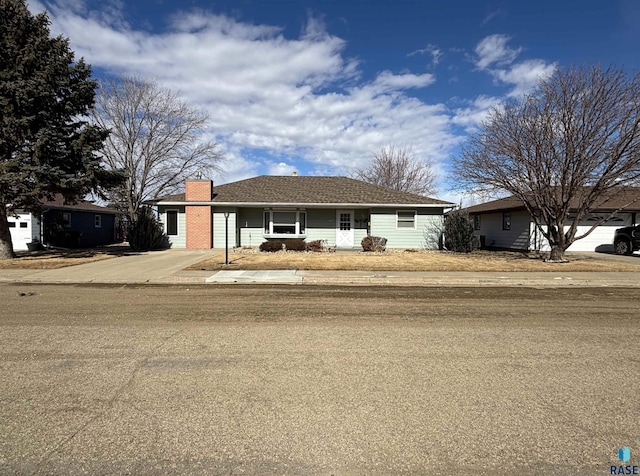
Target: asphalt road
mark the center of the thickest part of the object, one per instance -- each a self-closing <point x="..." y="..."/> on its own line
<point x="317" y="380"/>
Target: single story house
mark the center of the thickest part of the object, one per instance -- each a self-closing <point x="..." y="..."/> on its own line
<point x="339" y="210"/>
<point x="79" y="225"/>
<point x="506" y="224"/>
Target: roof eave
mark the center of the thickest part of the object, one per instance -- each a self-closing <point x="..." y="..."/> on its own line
<point x="310" y="205"/>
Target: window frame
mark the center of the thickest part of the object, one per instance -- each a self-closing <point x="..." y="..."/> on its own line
<point x="97" y="221"/>
<point x="477" y="223"/>
<point x="177" y="221"/>
<point x="506" y="221"/>
<point x="299" y="226"/>
<point x="66" y="219"/>
<point x="414" y="220"/>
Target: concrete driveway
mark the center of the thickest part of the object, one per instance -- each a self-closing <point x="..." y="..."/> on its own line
<point x="611" y="256"/>
<point x="146" y="267"/>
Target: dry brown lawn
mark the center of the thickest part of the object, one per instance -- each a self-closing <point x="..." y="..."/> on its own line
<point x="54" y="259"/>
<point x="497" y="261"/>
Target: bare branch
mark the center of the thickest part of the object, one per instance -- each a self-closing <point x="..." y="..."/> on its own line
<point x="575" y="140"/>
<point x="155" y="137"/>
<point x="398" y="168"/>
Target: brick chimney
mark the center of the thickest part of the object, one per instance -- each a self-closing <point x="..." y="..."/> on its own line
<point x="199" y="218"/>
<point x="198" y="190"/>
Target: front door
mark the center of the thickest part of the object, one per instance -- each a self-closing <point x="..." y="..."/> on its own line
<point x="344" y="228"/>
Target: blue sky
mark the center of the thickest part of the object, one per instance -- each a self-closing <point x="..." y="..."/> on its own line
<point x="318" y="86"/>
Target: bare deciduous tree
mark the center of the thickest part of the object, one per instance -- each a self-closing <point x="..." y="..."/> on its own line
<point x="398" y="168"/>
<point x="561" y="150"/>
<point x="156" y="138"/>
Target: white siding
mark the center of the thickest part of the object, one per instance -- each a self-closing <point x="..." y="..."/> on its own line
<point x="517" y="238"/>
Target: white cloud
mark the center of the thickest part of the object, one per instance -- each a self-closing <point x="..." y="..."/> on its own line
<point x="281" y="168"/>
<point x="525" y="76"/>
<point x="293" y="97"/>
<point x="496" y="58"/>
<point x="432" y="50"/>
<point x="493" y="50"/>
<point x="475" y="112"/>
<point x="387" y="82"/>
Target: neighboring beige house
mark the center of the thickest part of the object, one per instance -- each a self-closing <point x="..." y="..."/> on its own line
<point x="505" y="223"/>
<point x="339" y="210"/>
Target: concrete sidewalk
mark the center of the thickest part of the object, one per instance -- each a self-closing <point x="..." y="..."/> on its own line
<point x="168" y="267"/>
<point x="428" y="279"/>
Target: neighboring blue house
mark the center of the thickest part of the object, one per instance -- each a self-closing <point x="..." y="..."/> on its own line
<point x="339" y="210"/>
<point x="79" y="225"/>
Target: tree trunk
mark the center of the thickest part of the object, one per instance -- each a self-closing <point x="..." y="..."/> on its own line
<point x="6" y="245"/>
<point x="557" y="253"/>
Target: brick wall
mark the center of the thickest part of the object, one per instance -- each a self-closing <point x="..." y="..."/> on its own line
<point x="198" y="217"/>
<point x="198" y="190"/>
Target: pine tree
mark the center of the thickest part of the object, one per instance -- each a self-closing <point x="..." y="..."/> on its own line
<point x="46" y="144"/>
<point x="458" y="232"/>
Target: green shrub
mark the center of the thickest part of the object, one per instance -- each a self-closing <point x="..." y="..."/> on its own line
<point x="458" y="233"/>
<point x="373" y="243"/>
<point x="145" y="232"/>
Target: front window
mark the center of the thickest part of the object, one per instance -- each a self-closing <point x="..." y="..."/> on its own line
<point x="506" y="221"/>
<point x="285" y="222"/>
<point x="97" y="221"/>
<point x="66" y="219"/>
<point x="476" y="222"/>
<point x="406" y="219"/>
<point x="172" y="222"/>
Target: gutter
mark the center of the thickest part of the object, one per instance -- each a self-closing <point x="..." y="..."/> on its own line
<point x="305" y="205"/>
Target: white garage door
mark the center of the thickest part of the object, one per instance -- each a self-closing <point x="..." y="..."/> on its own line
<point x="600" y="239"/>
<point x="21" y="230"/>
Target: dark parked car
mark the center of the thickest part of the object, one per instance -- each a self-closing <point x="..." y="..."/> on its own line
<point x="627" y="240"/>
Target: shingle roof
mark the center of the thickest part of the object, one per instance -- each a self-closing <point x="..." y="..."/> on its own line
<point x="627" y="198"/>
<point x="59" y="203"/>
<point x="309" y="190"/>
<point x="507" y="203"/>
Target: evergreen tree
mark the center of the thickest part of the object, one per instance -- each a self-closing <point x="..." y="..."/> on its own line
<point x="458" y="232"/>
<point x="46" y="144"/>
<point x="145" y="233"/>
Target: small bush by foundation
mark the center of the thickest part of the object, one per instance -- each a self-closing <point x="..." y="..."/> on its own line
<point x="316" y="246"/>
<point x="373" y="243"/>
<point x="271" y="246"/>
